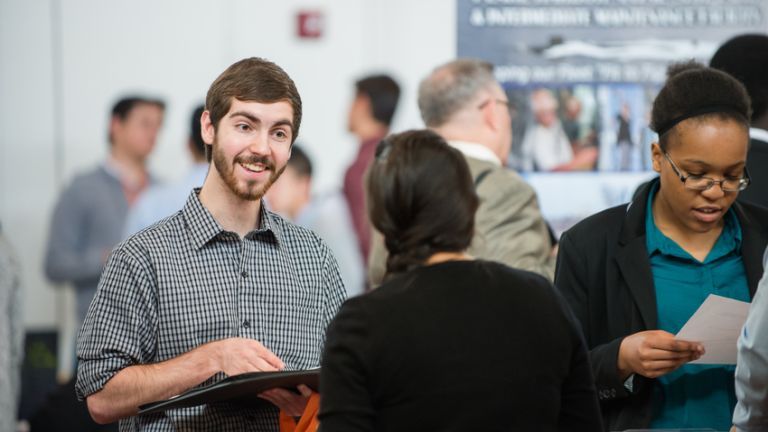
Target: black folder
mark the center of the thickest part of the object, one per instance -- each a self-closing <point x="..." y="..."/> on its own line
<point x="237" y="388"/>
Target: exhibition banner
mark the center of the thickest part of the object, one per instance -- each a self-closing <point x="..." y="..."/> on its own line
<point x="582" y="75"/>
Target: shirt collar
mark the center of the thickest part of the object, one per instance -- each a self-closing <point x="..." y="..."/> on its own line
<point x="476" y="151"/>
<point x="115" y="169"/>
<point x="111" y="169"/>
<point x="759" y="134"/>
<point x="203" y="227"/>
<point x="656" y="242"/>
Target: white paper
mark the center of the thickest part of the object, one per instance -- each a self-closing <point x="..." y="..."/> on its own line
<point x="717" y="325"/>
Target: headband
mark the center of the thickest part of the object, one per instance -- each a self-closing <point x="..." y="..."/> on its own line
<point x="695" y="113"/>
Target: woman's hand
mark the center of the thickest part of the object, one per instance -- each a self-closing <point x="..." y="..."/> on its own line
<point x="654" y="353"/>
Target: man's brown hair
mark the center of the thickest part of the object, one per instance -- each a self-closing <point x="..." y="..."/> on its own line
<point x="252" y="79"/>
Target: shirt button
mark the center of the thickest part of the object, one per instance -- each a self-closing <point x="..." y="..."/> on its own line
<point x="244" y="274"/>
<point x="246" y="324"/>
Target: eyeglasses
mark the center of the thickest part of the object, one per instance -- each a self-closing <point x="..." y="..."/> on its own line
<point x="510" y="106"/>
<point x="702" y="183"/>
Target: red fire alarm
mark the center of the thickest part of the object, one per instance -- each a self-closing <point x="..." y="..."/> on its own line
<point x="310" y="24"/>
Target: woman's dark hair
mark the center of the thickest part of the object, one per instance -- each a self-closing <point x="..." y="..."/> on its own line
<point x="693" y="90"/>
<point x="421" y="198"/>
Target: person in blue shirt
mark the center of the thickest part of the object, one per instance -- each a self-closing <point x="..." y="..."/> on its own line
<point x="634" y="274"/>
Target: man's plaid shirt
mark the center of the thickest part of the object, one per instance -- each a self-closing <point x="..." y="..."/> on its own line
<point x="184" y="282"/>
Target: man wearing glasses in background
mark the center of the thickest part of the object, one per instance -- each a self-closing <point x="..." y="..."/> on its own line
<point x="462" y="101"/>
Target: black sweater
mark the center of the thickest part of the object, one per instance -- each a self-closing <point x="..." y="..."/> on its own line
<point x="457" y="346"/>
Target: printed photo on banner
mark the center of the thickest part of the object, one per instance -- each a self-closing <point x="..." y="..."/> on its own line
<point x="581" y="76"/>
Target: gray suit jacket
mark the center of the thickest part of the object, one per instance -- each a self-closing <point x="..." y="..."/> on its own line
<point x="509" y="227"/>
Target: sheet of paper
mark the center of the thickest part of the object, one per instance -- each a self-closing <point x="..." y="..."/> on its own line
<point x="716" y="324"/>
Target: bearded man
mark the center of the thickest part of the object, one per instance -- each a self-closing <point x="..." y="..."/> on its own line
<point x="220" y="288"/>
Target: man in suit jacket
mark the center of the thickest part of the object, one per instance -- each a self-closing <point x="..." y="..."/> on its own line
<point x="463" y="102"/>
<point x="746" y="58"/>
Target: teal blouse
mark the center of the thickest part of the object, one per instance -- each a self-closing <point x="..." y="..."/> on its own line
<point x="694" y="395"/>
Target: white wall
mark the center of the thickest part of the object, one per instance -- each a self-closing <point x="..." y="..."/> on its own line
<point x="27" y="146"/>
<point x="64" y="62"/>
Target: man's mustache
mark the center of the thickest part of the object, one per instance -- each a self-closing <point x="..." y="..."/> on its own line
<point x="255" y="159"/>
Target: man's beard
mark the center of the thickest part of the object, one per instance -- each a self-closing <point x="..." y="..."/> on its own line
<point x="251" y="191"/>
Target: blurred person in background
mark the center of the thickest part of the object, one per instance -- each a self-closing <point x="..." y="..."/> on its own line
<point x="89" y="217"/>
<point x="87" y="222"/>
<point x="11" y="335"/>
<point x="745" y="57"/>
<point x="326" y="215"/>
<point x="160" y="201"/>
<point x="462" y="102"/>
<point x="370" y="116"/>
<point x="751" y="412"/>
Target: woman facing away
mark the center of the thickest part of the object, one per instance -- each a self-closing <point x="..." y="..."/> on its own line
<point x="636" y="273"/>
<point x="449" y="343"/>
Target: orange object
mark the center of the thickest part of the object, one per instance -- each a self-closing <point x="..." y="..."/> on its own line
<point x="308" y="421"/>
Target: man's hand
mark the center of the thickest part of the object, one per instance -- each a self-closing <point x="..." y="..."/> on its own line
<point x="291" y="403"/>
<point x="655" y="353"/>
<point x="138" y="384"/>
<point x="235" y="356"/>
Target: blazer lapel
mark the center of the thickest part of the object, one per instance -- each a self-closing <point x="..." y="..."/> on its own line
<point x="632" y="258"/>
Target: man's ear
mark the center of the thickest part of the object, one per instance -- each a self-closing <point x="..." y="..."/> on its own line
<point x="488" y="113"/>
<point x="365" y="102"/>
<point x="114" y="125"/>
<point x="206" y="128"/>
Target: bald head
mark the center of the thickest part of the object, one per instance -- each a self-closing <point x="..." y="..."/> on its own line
<point x="462" y="101"/>
<point x="451" y="88"/>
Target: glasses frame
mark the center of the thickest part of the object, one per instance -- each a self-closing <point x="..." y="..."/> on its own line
<point x="506" y="102"/>
<point x="744" y="181"/>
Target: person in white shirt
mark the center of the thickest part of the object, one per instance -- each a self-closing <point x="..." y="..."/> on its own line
<point x="545" y="146"/>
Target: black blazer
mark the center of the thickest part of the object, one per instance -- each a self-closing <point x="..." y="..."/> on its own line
<point x="604" y="273"/>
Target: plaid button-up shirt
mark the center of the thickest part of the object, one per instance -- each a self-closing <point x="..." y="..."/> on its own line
<point x="184" y="282"/>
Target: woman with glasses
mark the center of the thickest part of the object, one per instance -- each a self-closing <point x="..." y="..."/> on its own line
<point x="634" y="274"/>
<point x="449" y="343"/>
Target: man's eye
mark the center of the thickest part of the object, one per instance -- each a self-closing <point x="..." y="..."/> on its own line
<point x="243" y="127"/>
